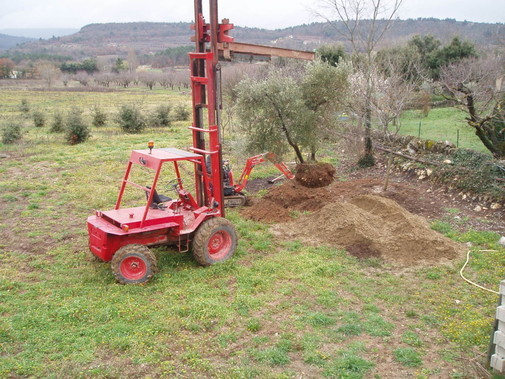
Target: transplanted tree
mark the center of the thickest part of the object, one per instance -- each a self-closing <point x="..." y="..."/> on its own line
<point x="363" y="24"/>
<point x="285" y="111"/>
<point x="477" y="87"/>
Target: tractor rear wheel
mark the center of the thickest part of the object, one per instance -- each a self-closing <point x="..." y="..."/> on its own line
<point x="215" y="241"/>
<point x="133" y="264"/>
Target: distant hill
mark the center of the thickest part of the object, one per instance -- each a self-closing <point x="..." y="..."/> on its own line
<point x="6" y="41"/>
<point x="149" y="38"/>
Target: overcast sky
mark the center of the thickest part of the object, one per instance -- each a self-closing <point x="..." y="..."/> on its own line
<point x="269" y="14"/>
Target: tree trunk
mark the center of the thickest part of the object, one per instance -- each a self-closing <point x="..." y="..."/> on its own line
<point x="286" y="132"/>
<point x="367" y="160"/>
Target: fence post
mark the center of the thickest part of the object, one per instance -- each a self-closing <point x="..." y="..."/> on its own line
<point x="419" y="131"/>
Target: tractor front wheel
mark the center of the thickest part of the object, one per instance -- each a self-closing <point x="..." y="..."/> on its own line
<point x="215" y="241"/>
<point x="133" y="264"/>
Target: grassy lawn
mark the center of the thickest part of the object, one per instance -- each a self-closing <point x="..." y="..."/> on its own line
<point x="278" y="309"/>
<point x="441" y="124"/>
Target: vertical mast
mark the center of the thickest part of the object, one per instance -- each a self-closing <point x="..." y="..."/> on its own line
<point x="214" y="119"/>
<point x="205" y="85"/>
<point x="198" y="69"/>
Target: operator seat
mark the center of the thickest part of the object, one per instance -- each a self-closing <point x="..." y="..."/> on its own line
<point x="157" y="199"/>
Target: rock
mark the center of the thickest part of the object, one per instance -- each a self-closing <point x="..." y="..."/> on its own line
<point x="429" y="172"/>
<point x="478" y="208"/>
<point x="447" y="161"/>
<point x="501" y="241"/>
<point x="464" y="197"/>
<point x="496" y="206"/>
<point x="411" y="150"/>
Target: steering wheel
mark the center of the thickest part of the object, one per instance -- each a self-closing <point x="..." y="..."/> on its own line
<point x="175" y="184"/>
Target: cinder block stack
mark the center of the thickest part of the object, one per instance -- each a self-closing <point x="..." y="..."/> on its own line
<point x="498" y="358"/>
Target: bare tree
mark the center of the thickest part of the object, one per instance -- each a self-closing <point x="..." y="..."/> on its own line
<point x="83" y="78"/>
<point x="181" y="79"/>
<point x="103" y="79"/>
<point x="48" y="71"/>
<point x="132" y="59"/>
<point x="124" y="79"/>
<point x="393" y="89"/>
<point x="149" y="78"/>
<point x="363" y="24"/>
<point x="65" y="78"/>
<point x="167" y="78"/>
<point x="232" y="75"/>
<point x="477" y="87"/>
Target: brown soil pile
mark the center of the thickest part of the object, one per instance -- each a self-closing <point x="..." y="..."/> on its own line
<point x="315" y="175"/>
<point x="280" y="202"/>
<point x="371" y="225"/>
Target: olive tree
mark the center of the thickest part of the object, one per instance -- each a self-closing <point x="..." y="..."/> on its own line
<point x="286" y="111"/>
<point x="477" y="87"/>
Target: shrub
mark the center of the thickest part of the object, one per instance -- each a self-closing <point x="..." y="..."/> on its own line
<point x="11" y="133"/>
<point x="24" y="107"/>
<point x="76" y="130"/>
<point x="161" y="116"/>
<point x="57" y="125"/>
<point x="39" y="119"/>
<point x="99" y="117"/>
<point x="130" y="119"/>
<point x="473" y="172"/>
<point x="181" y="113"/>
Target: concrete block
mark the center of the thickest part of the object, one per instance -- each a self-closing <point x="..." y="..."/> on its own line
<point x="502" y="288"/>
<point x="498" y="363"/>
<point x="500" y="313"/>
<point x="499" y="338"/>
<point x="501" y="326"/>
<point x="500" y="351"/>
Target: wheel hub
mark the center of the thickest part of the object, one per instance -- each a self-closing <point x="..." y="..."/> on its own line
<point x="133" y="268"/>
<point x="219" y="243"/>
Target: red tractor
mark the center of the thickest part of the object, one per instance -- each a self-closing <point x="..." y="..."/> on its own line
<point x="123" y="235"/>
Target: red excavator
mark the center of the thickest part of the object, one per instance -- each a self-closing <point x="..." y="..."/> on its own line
<point x="124" y="234"/>
<point x="233" y="195"/>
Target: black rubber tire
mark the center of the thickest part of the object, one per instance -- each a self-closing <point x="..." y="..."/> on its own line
<point x="134" y="264"/>
<point x="216" y="234"/>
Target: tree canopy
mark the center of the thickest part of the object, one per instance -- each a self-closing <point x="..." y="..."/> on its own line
<point x="288" y="110"/>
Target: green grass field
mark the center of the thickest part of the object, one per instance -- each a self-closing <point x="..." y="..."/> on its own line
<point x="278" y="309"/>
<point x="441" y="124"/>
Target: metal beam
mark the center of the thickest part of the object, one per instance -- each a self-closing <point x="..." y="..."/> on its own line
<point x="227" y="48"/>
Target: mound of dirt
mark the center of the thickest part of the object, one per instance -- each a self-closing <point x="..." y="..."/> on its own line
<point x="370" y="225"/>
<point x="277" y="205"/>
<point x="315" y="175"/>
